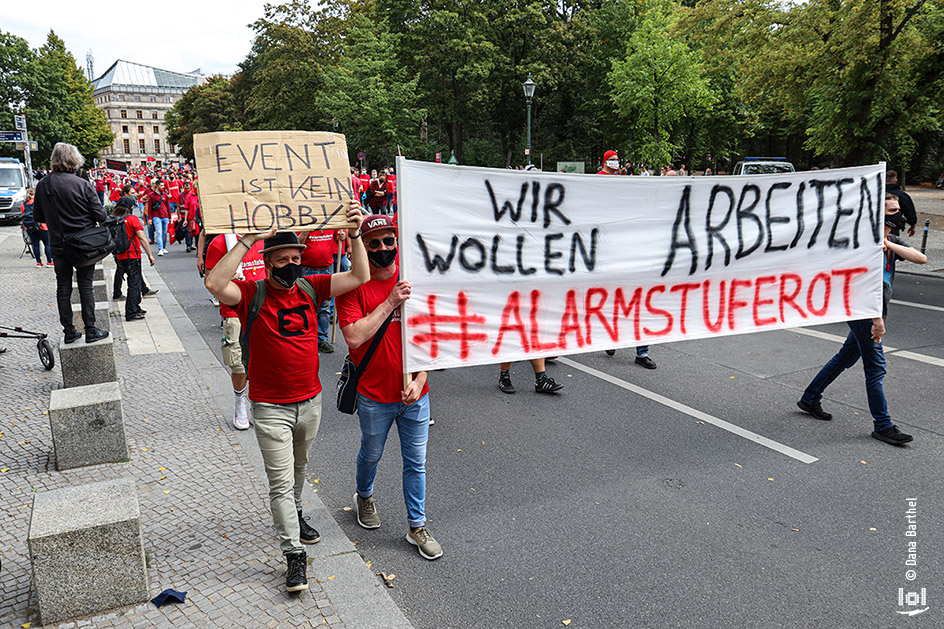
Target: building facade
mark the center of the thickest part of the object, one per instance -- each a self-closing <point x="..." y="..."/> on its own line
<point x="135" y="99"/>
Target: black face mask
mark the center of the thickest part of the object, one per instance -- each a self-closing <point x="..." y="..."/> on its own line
<point x="287" y="275"/>
<point x="382" y="258"/>
<point x="897" y="220"/>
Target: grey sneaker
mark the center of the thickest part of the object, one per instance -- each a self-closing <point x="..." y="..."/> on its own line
<point x="425" y="542"/>
<point x="366" y="512"/>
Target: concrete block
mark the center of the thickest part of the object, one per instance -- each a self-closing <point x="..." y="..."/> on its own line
<point x="88" y="363"/>
<point x="101" y="316"/>
<point x="87" y="550"/>
<point x="98" y="273"/>
<point x="99" y="288"/>
<point x="87" y="425"/>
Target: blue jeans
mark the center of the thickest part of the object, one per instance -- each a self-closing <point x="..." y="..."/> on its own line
<point x="642" y="350"/>
<point x="40" y="236"/>
<point x="413" y="428"/>
<point x="160" y="231"/>
<point x="858" y="343"/>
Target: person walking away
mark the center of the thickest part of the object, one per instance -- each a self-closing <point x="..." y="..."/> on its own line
<point x="129" y="262"/>
<point x="865" y="341"/>
<point x="37" y="232"/>
<point x="68" y="204"/>
<point x="382" y="398"/>
<point x="283" y="368"/>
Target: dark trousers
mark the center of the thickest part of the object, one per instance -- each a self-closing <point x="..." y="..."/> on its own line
<point x="37" y="236"/>
<point x="182" y="234"/>
<point x="131" y="268"/>
<point x="83" y="275"/>
<point x="120" y="276"/>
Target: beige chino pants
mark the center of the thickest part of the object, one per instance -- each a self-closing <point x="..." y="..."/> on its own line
<point x="285" y="433"/>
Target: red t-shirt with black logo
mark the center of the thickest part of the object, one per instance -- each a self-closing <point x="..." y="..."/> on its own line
<point x="253" y="266"/>
<point x="283" y="343"/>
<point x="382" y="381"/>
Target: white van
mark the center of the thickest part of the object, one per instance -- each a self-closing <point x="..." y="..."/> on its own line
<point x="13" y="186"/>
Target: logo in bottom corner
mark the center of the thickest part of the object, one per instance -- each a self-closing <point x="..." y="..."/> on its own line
<point x="913" y="599"/>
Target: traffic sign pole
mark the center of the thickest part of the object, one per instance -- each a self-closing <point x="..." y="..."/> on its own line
<point x="20" y="123"/>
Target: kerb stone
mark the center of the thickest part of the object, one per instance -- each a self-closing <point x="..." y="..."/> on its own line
<point x="87" y="550"/>
<point x="101" y="316"/>
<point x="98" y="288"/>
<point x="87" y="425"/>
<point x="88" y="363"/>
<point x="98" y="273"/>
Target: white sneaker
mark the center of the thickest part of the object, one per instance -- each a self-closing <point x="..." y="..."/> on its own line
<point x="160" y="252"/>
<point x="241" y="419"/>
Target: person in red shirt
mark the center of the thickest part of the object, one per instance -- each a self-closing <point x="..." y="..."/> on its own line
<point x="391" y="192"/>
<point x="129" y="262"/>
<point x="318" y="258"/>
<point x="252" y="269"/>
<point x="283" y="369"/>
<point x="611" y="166"/>
<point x="159" y="213"/>
<point x="382" y="398"/>
<point x="365" y="184"/>
<point x="100" y="188"/>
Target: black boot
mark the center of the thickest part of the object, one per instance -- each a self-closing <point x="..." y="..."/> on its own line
<point x="296" y="578"/>
<point x="307" y="534"/>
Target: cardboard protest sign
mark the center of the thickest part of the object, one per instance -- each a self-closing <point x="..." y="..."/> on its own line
<point x="252" y="180"/>
<point x="510" y="265"/>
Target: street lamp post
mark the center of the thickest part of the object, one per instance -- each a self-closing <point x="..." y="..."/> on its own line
<point x="529" y="86"/>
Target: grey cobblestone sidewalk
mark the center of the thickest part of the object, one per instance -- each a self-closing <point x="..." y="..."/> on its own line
<point x="207" y="528"/>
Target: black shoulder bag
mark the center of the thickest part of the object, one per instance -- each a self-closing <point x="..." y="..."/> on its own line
<point x="351" y="372"/>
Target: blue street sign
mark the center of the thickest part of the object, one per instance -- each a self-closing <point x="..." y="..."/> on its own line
<point x="19" y="122"/>
<point x="11" y="136"/>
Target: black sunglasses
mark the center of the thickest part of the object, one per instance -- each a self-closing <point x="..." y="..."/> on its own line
<point x="389" y="241"/>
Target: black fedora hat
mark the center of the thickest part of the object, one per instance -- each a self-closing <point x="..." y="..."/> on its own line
<point x="281" y="240"/>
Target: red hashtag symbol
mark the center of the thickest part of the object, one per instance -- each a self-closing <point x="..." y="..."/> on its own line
<point x="435" y="335"/>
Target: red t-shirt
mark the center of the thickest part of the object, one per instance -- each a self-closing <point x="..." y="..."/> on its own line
<point x="100" y="185"/>
<point x="253" y="266"/>
<point x="132" y="227"/>
<point x="382" y="381"/>
<point x="174" y="188"/>
<point x="365" y="182"/>
<point x="392" y="184"/>
<point x="283" y="344"/>
<point x="115" y="194"/>
<point x="319" y="250"/>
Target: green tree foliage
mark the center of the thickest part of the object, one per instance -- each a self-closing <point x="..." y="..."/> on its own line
<point x="55" y="95"/>
<point x="204" y="108"/>
<point x="656" y="85"/>
<point x="371" y="97"/>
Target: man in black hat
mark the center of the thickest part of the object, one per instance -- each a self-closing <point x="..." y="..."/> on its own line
<point x="283" y="367"/>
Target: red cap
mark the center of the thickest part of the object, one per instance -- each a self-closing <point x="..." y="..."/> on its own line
<point x="377" y="221"/>
<point x="609" y="154"/>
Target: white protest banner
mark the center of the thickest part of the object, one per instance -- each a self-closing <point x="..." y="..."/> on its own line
<point x="510" y="265"/>
<point x="252" y="180"/>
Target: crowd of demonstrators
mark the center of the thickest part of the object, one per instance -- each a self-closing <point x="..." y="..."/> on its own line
<point x="67" y="205"/>
<point x="865" y="341"/>
<point x="282" y="347"/>
<point x="321" y="255"/>
<point x="377" y="191"/>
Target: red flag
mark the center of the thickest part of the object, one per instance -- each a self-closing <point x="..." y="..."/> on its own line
<point x="151" y="159"/>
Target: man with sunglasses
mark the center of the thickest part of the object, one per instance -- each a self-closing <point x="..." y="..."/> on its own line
<point x="283" y="368"/>
<point x="382" y="399"/>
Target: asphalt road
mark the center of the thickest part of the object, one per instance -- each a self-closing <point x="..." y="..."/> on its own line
<point x="611" y="506"/>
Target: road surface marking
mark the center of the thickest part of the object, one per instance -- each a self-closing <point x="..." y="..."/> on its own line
<point x="917" y="305"/>
<point x="830" y="337"/>
<point x="688" y="410"/>
<point x="931" y="360"/>
<point x="892" y="351"/>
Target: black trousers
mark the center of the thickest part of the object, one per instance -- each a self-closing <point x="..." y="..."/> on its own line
<point x="83" y="275"/>
<point x="131" y="268"/>
<point x="120" y="276"/>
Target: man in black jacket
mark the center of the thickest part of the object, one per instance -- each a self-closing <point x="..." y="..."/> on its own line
<point x="68" y="204"/>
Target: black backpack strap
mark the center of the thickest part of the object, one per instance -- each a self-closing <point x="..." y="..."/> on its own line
<point x="254" y="307"/>
<point x="378" y="336"/>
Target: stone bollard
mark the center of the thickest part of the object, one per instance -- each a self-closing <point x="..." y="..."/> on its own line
<point x="87" y="550"/>
<point x="98" y="273"/>
<point x="99" y="290"/>
<point x="87" y="425"/>
<point x="88" y="363"/>
<point x="101" y="316"/>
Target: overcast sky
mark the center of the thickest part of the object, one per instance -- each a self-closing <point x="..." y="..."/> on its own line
<point x="173" y="35"/>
